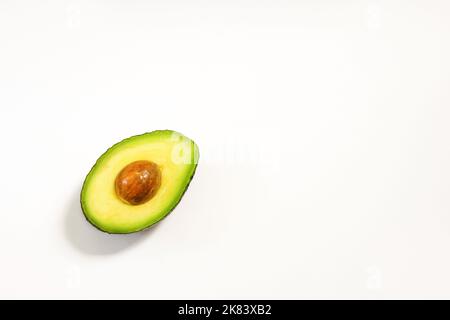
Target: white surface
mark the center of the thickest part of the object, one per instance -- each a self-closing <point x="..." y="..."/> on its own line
<point x="323" y="129"/>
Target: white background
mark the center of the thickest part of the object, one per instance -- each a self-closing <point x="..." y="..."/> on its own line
<point x="323" y="129"/>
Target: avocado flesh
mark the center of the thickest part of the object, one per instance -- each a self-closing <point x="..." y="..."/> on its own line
<point x="177" y="158"/>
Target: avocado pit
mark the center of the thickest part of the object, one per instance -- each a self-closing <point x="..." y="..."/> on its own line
<point x="138" y="182"/>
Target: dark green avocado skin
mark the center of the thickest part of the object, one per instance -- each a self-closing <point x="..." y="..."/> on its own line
<point x="197" y="157"/>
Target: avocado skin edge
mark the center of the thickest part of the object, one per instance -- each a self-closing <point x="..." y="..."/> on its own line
<point x="196" y="158"/>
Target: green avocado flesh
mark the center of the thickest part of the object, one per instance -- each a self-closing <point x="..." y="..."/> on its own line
<point x="176" y="158"/>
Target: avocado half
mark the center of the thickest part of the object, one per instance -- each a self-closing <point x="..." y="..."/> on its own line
<point x="139" y="181"/>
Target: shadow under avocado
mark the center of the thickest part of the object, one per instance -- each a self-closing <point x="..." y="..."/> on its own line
<point x="89" y="240"/>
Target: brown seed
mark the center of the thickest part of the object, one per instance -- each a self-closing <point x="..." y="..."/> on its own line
<point x="138" y="182"/>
